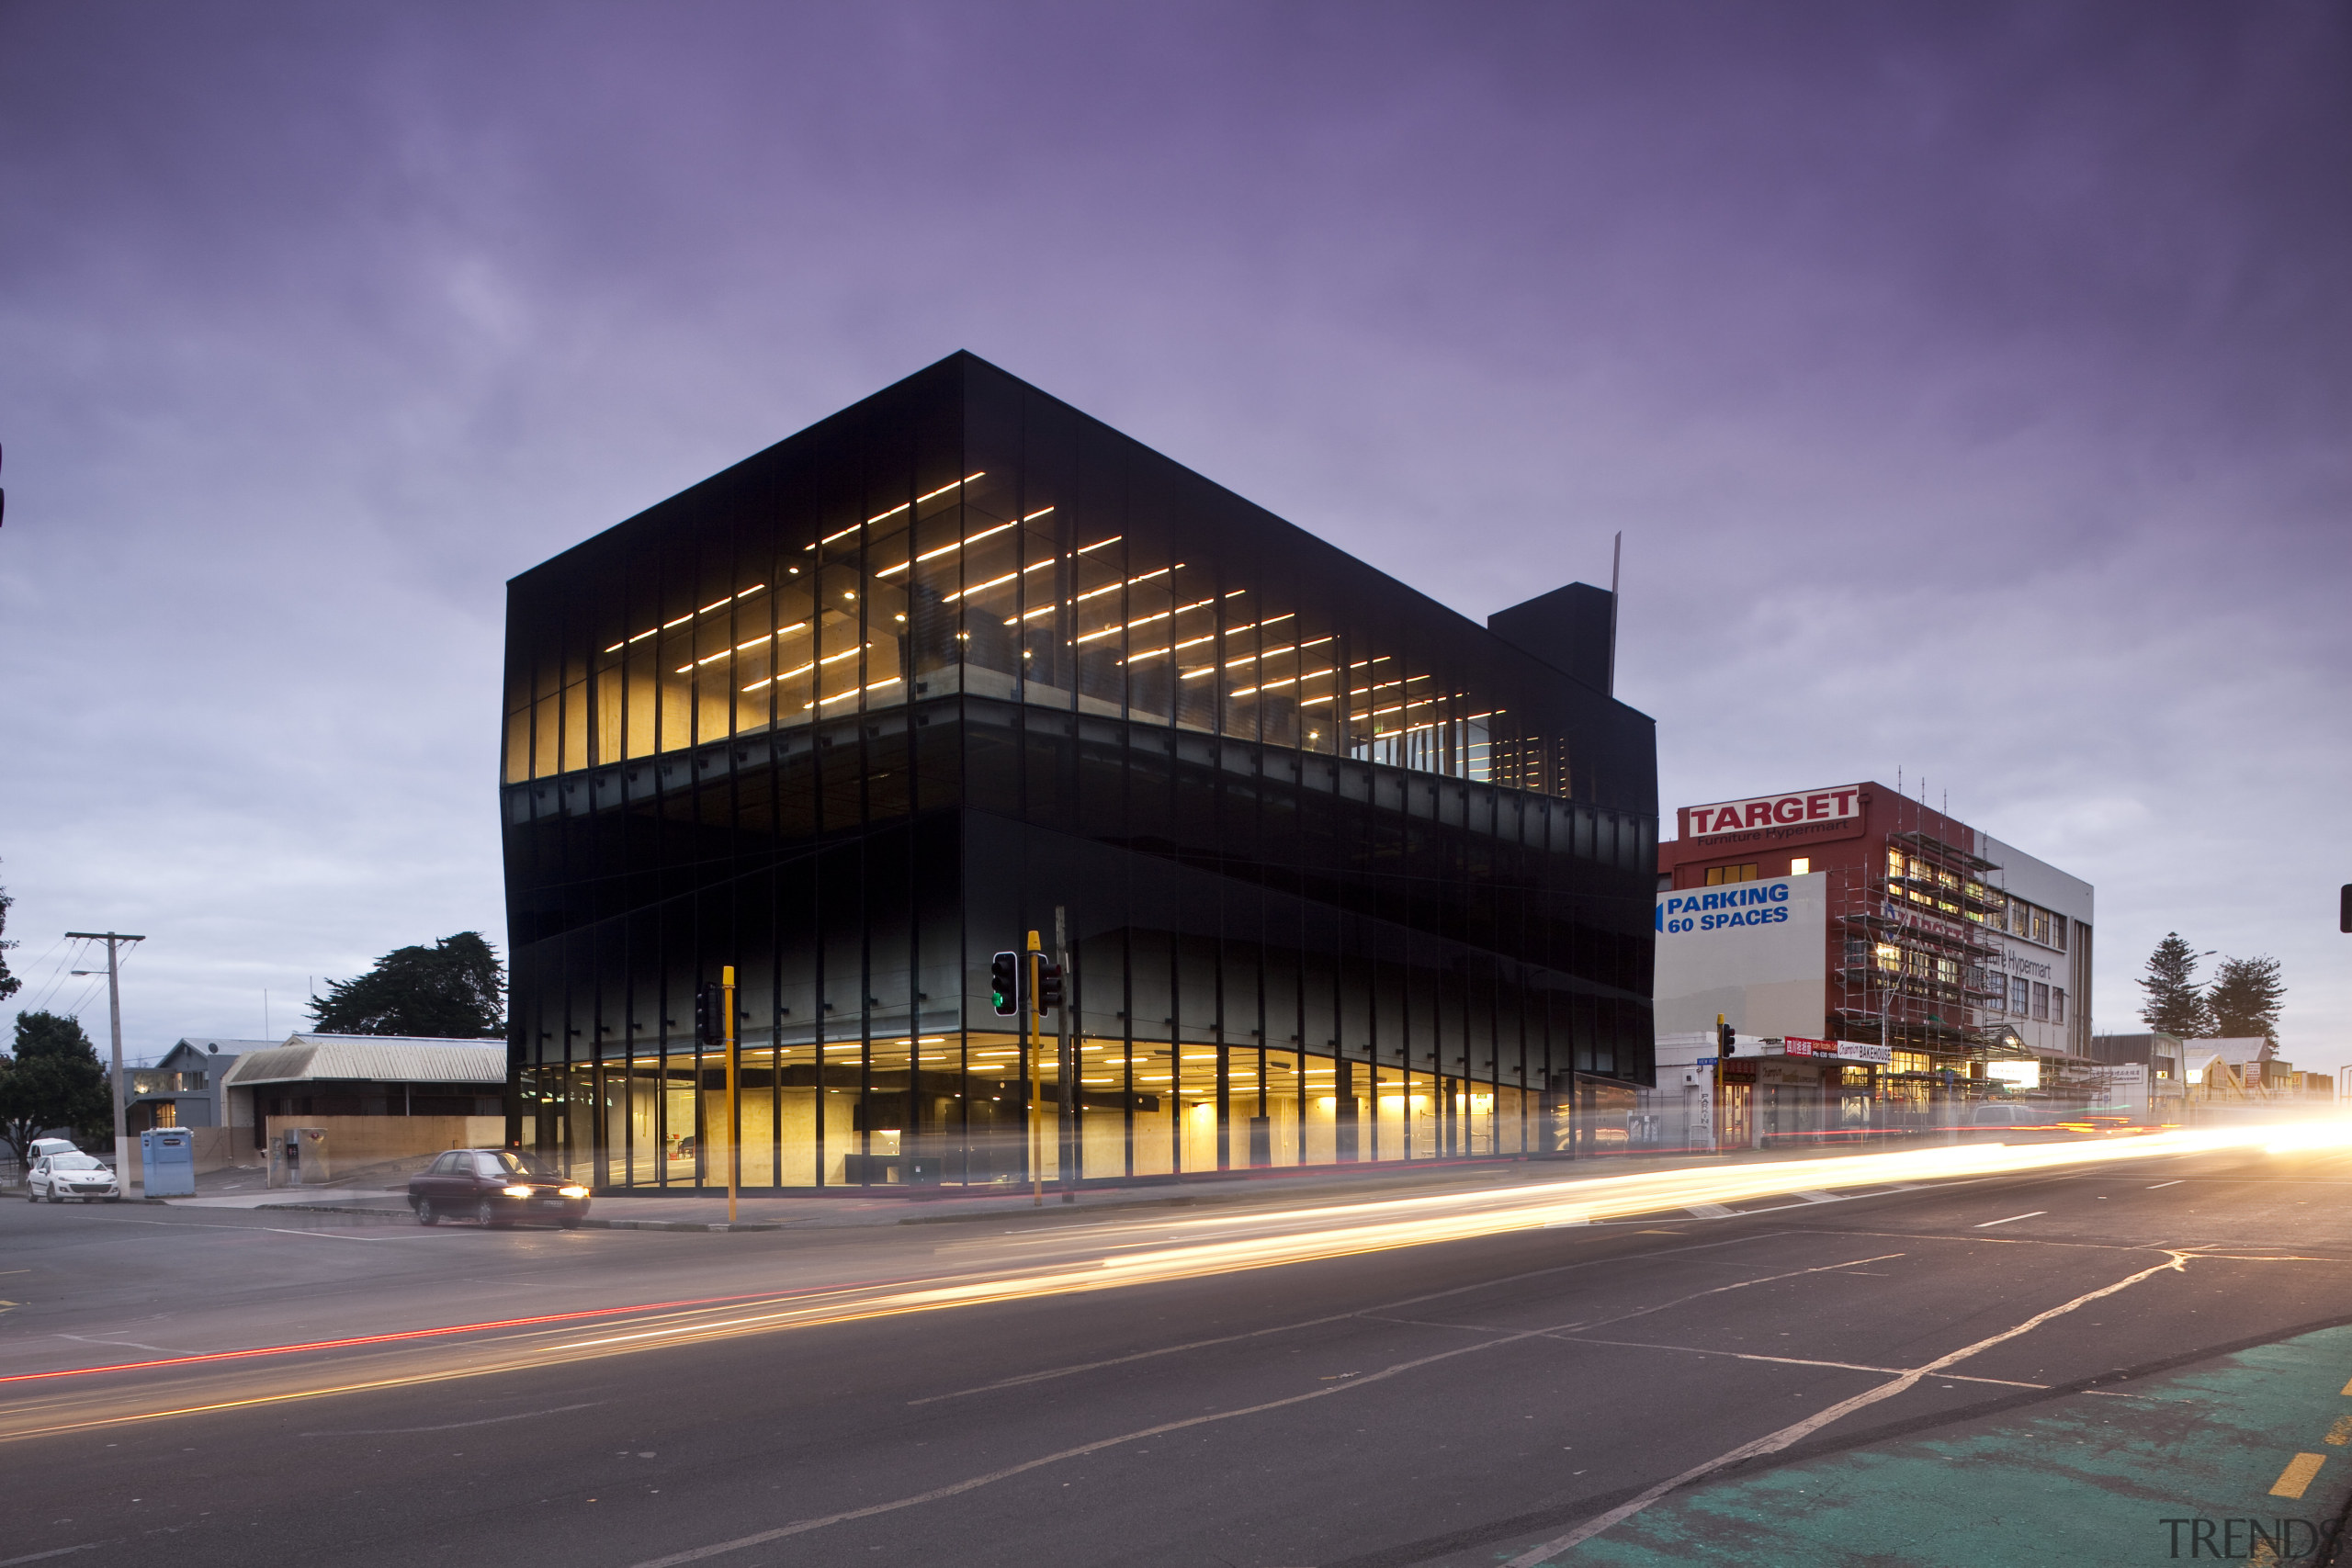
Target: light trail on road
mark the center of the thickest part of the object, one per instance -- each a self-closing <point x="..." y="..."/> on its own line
<point x="1182" y="1249"/>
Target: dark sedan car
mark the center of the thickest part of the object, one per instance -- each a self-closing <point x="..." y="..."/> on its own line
<point x="494" y="1188"/>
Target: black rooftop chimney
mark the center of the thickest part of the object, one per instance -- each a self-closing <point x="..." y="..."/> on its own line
<point x="1569" y="628"/>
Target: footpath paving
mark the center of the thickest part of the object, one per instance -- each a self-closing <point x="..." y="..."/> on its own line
<point x="2246" y="1459"/>
<point x="707" y="1211"/>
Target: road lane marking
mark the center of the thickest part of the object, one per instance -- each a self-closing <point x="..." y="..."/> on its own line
<point x="1990" y="1223"/>
<point x="802" y="1526"/>
<point x="131" y="1344"/>
<point x="1571" y="1338"/>
<point x="1373" y="1314"/>
<point x="454" y="1426"/>
<point x="1773" y="1442"/>
<point x="1709" y="1210"/>
<point x="2164" y="1184"/>
<point x="213" y="1355"/>
<point x="2339" y="1434"/>
<point x="1343" y="1316"/>
<point x="2297" y="1476"/>
<point x="56" y="1552"/>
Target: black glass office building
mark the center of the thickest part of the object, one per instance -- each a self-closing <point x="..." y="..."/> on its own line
<point x="1345" y="877"/>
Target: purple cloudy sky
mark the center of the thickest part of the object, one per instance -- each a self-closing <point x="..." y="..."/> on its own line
<point x="1972" y="384"/>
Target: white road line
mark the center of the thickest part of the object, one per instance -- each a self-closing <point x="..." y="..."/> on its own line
<point x="1570" y="1337"/>
<point x="1708" y="1210"/>
<point x="802" y="1526"/>
<point x="1990" y="1223"/>
<point x="1360" y="1312"/>
<point x="454" y="1426"/>
<point x="1377" y="1315"/>
<point x="1774" y="1442"/>
<point x="133" y="1344"/>
<point x="55" y="1551"/>
<point x="2167" y="1184"/>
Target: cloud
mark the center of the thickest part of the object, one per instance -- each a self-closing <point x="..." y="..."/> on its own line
<point x="1969" y="380"/>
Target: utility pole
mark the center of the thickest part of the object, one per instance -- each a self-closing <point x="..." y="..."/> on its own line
<point x="114" y="1016"/>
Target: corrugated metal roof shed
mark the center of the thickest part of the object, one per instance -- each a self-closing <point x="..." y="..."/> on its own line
<point x="373" y="1058"/>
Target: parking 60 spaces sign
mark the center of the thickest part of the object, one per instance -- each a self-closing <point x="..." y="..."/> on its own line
<point x="1754" y="951"/>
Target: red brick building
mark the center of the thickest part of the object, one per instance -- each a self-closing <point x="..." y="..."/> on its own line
<point x="1967" y="958"/>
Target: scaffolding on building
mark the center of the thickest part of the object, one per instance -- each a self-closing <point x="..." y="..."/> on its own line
<point x="1919" y="968"/>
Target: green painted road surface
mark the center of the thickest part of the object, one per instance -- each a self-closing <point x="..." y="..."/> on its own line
<point x="2093" y="1480"/>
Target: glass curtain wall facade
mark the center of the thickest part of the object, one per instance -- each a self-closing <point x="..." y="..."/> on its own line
<point x="1347" y="877"/>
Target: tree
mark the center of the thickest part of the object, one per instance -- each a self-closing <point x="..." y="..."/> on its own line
<point x="455" y="989"/>
<point x="2174" y="1004"/>
<point x="8" y="983"/>
<point x="54" y="1079"/>
<point x="2244" y="998"/>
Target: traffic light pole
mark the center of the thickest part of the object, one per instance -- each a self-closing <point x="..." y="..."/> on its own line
<point x="1036" y="1089"/>
<point x="1065" y="1035"/>
<point x="114" y="1018"/>
<point x="734" y="1119"/>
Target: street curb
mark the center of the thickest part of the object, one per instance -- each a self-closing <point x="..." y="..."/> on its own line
<point x="1072" y="1209"/>
<point x="588" y="1224"/>
<point x="686" y="1225"/>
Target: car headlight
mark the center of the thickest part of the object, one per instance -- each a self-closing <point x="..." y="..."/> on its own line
<point x="516" y="1191"/>
<point x="573" y="1192"/>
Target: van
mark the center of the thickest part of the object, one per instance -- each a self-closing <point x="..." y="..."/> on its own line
<point x="51" y="1146"/>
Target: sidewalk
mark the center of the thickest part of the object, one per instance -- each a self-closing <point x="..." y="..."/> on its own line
<point x="2239" y="1457"/>
<point x="705" y="1211"/>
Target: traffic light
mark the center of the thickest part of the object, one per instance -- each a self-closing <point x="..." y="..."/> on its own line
<point x="710" y="1014"/>
<point x="1049" y="986"/>
<point x="1004" y="983"/>
<point x="1726" y="1038"/>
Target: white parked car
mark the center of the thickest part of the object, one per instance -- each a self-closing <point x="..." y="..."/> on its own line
<point x="60" y="1177"/>
<point x="53" y="1147"/>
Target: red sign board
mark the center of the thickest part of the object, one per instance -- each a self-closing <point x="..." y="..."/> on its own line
<point x="1805" y="806"/>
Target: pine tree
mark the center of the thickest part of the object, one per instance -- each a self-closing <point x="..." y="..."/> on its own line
<point x="53" y="1079"/>
<point x="8" y="983"/>
<point x="455" y="989"/>
<point x="2244" y="998"/>
<point x="2174" y="1004"/>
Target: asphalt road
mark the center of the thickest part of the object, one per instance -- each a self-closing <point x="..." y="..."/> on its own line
<point x="2062" y="1364"/>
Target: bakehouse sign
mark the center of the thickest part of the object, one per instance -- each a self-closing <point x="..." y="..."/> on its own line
<point x="1805" y="810"/>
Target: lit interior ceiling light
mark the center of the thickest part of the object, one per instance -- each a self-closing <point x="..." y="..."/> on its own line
<point x="840" y="696"/>
<point x="1269" y="621"/>
<point x="682" y="620"/>
<point x="1130" y="582"/>
<point x="1114" y="630"/>
<point x="951" y="546"/>
<point x="1171" y="647"/>
<point x="981" y="587"/>
<point x="943" y="490"/>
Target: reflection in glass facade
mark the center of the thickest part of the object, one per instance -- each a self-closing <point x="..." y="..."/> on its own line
<point x="1348" y="877"/>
